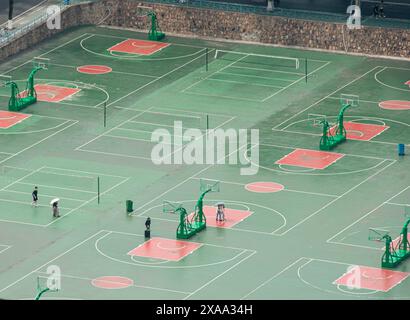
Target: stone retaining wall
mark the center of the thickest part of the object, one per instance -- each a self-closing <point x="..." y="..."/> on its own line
<point x="227" y="25"/>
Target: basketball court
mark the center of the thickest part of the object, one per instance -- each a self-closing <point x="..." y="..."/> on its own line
<point x="296" y="229"/>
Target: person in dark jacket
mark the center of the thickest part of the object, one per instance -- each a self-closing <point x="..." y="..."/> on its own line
<point x="35" y="196"/>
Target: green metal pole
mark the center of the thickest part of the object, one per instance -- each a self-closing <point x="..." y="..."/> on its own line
<point x="207" y="123"/>
<point x="98" y="190"/>
<point x="306" y="70"/>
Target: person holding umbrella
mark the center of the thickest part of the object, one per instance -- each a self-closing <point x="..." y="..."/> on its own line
<point x="54" y="205"/>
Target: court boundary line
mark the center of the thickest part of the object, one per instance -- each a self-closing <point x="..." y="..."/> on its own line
<point x="386" y="85"/>
<point x="220" y="275"/>
<point x="50" y="261"/>
<point x="133" y="285"/>
<point x="159" y="78"/>
<point x="88" y="201"/>
<point x="43" y="195"/>
<point x="219" y="96"/>
<point x="40" y="141"/>
<point x="339" y="197"/>
<point x="298" y="80"/>
<point x="119" y="72"/>
<point x="271" y="278"/>
<point x="342" y="292"/>
<point x="45" y="53"/>
<point x="330" y="240"/>
<point x="258" y="77"/>
<point x="241" y="82"/>
<point x="285" y="189"/>
<point x="320" y="100"/>
<point x="243" y="203"/>
<point x="5" y="249"/>
<point x="174" y="109"/>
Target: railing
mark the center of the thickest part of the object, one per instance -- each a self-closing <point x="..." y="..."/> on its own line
<point x="285" y="13"/>
<point x="33" y="20"/>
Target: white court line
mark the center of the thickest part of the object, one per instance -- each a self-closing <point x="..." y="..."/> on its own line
<point x="184" y="181"/>
<point x="38" y="142"/>
<point x="115" y="154"/>
<point x="300" y="79"/>
<point x="285" y="189"/>
<point x="8" y="153"/>
<point x="133" y="139"/>
<point x="205" y="244"/>
<point x="364" y="216"/>
<point x="398" y="204"/>
<point x="127" y="38"/>
<point x="157" y="79"/>
<point x="338" y="198"/>
<point x="45" y="53"/>
<point x="42" y="195"/>
<point x="29" y="203"/>
<point x="113" y="128"/>
<point x="89" y="172"/>
<point x="270" y="279"/>
<point x="319" y="134"/>
<point x="119" y="72"/>
<point x="203" y="114"/>
<point x="213" y="73"/>
<point x="48" y="172"/>
<point x="158" y="125"/>
<point x="320" y="100"/>
<point x="246" y="83"/>
<point x="386" y="85"/>
<point x="133" y="130"/>
<point x="55" y="187"/>
<point x="6" y="247"/>
<point x="220" y="275"/>
<point x="22" y="178"/>
<point x="134" y="285"/>
<point x="47" y="263"/>
<point x="88" y="201"/>
<point x="261" y="69"/>
<point x="258" y="77"/>
<point x="219" y="96"/>
<point x="360" y="100"/>
<point x="346" y="154"/>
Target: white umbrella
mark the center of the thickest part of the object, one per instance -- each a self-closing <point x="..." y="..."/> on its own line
<point x="54" y="200"/>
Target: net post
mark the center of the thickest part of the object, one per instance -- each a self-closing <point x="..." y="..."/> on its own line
<point x="207" y="123"/>
<point x="98" y="190"/>
<point x="306" y="70"/>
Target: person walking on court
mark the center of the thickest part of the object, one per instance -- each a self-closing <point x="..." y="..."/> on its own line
<point x="56" y="211"/>
<point x="35" y="197"/>
<point x="148" y="224"/>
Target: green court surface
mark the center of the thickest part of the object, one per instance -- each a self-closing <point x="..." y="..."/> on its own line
<point x="297" y="240"/>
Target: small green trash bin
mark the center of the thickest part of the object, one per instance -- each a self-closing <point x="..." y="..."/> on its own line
<point x="129" y="205"/>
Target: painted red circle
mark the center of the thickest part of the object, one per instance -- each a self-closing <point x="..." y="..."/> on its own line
<point x="395" y="105"/>
<point x="112" y="282"/>
<point x="264" y="187"/>
<point x="90" y="69"/>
